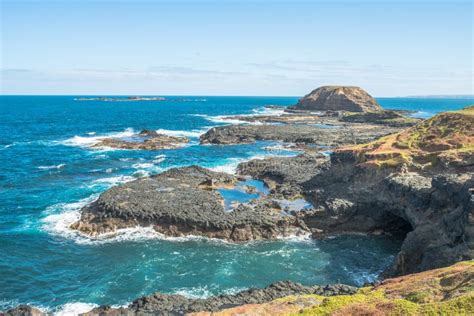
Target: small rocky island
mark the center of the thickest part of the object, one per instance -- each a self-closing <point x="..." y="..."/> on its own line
<point x="145" y="140"/>
<point x="338" y="98"/>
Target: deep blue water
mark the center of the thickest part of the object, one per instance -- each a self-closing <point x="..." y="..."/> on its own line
<point x="48" y="171"/>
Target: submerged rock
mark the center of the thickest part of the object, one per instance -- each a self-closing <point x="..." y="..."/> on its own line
<point x="180" y="202"/>
<point x="338" y="98"/>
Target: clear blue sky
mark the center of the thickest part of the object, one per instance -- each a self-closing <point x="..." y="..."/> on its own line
<point x="390" y="48"/>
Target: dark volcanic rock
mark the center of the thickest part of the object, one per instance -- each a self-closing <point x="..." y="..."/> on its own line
<point x="338" y="98"/>
<point x="284" y="175"/>
<point x="151" y="140"/>
<point x="436" y="211"/>
<point x="238" y="134"/>
<point x="183" y="201"/>
<point x="166" y="304"/>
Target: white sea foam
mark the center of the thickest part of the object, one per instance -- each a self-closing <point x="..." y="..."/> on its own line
<point x="8" y="146"/>
<point x="159" y="159"/>
<point x="206" y="291"/>
<point x="113" y="180"/>
<point x="52" y="167"/>
<point x="230" y="119"/>
<point x="143" y="165"/>
<point x="77" y="308"/>
<point x="231" y="164"/>
<point x="269" y="111"/>
<point x="81" y="141"/>
<point x="193" y="133"/>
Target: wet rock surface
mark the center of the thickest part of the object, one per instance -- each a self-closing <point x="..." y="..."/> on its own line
<point x="184" y="201"/>
<point x="165" y="304"/>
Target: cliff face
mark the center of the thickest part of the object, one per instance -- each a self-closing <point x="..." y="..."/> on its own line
<point x="420" y="180"/>
<point x="338" y="98"/>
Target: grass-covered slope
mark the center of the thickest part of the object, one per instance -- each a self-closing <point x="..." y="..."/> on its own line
<point x="445" y="140"/>
<point x="446" y="291"/>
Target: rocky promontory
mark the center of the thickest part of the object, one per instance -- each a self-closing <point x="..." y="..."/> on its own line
<point x="338" y="98"/>
<point x="185" y="201"/>
<point x="418" y="183"/>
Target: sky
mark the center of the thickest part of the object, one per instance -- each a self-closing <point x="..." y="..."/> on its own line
<point x="105" y="47"/>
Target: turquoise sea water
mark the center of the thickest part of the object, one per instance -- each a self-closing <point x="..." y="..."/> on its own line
<point x="48" y="171"/>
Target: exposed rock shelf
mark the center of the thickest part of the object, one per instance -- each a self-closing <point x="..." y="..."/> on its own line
<point x="306" y="134"/>
<point x="185" y="201"/>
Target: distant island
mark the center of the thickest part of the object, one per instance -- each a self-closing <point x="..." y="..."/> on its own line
<point x="120" y="99"/>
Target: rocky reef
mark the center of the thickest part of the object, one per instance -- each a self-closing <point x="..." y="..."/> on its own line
<point x="145" y="140"/>
<point x="185" y="201"/>
<point x="338" y="98"/>
<point x="295" y="133"/>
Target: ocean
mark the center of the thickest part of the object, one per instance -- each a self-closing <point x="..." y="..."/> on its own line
<point x="48" y="171"/>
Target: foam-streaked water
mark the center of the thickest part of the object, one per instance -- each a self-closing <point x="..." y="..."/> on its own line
<point x="48" y="170"/>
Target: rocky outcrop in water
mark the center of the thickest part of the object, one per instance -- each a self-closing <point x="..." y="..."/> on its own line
<point x="294" y="133"/>
<point x="166" y="304"/>
<point x="145" y="140"/>
<point x="338" y="98"/>
<point x="184" y="201"/>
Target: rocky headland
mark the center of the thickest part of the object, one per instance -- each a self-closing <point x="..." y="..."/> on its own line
<point x="418" y="182"/>
<point x="145" y="140"/>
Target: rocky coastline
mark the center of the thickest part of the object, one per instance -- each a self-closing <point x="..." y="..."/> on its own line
<point x="386" y="174"/>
